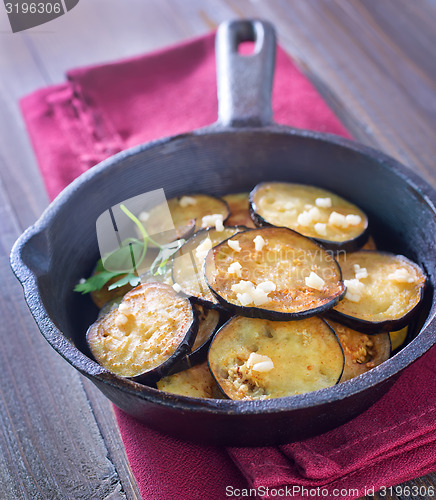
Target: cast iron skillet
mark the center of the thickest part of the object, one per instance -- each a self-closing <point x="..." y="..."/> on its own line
<point x="243" y="148"/>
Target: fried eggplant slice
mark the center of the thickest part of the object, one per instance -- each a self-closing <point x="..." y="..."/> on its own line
<point x="384" y="291"/>
<point x="196" y="382"/>
<point x="398" y="337"/>
<point x="312" y="211"/>
<point x="273" y="273"/>
<point x="146" y="334"/>
<point x="261" y="359"/>
<point x="362" y="352"/>
<point x="209" y="320"/>
<point x="188" y="213"/>
<point x="189" y="261"/>
<point x="239" y="210"/>
<point x="370" y="244"/>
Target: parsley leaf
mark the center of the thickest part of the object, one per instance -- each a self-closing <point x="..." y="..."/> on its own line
<point x="130" y="279"/>
<point x="123" y="257"/>
<point x="96" y="281"/>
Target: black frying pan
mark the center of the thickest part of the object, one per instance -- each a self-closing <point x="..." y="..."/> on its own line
<point x="245" y="147"/>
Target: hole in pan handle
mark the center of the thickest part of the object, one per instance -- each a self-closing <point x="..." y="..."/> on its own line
<point x="245" y="81"/>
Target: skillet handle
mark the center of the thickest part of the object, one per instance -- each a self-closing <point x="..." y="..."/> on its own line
<point x="245" y="82"/>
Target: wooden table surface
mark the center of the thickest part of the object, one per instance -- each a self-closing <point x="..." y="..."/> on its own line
<point x="372" y="60"/>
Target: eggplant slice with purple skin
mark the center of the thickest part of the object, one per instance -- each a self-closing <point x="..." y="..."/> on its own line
<point x="188" y="262"/>
<point x="195" y="382"/>
<point x="146" y="334"/>
<point x="314" y="212"/>
<point x="261" y="359"/>
<point x="362" y="352"/>
<point x="189" y="214"/>
<point x="273" y="273"/>
<point x="239" y="210"/>
<point x="384" y="291"/>
<point x="209" y="320"/>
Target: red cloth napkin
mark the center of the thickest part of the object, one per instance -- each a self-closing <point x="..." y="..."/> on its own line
<point x="104" y="109"/>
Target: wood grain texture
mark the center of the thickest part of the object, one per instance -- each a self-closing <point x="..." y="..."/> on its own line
<point x="373" y="62"/>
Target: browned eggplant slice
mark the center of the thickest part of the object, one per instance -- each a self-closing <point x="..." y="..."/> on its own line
<point x="398" y="337"/>
<point x="362" y="352"/>
<point x="273" y="273"/>
<point x="196" y="382"/>
<point x="189" y="261"/>
<point x="146" y="334"/>
<point x="209" y="320"/>
<point x="383" y="291"/>
<point x="239" y="210"/>
<point x="261" y="359"/>
<point x="312" y="211"/>
<point x="189" y="214"/>
<point x="370" y="244"/>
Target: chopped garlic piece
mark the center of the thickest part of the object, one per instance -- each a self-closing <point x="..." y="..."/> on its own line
<point x="259" y="362"/>
<point x="267" y="286"/>
<point x="121" y="319"/>
<point x="244" y="298"/>
<point x="203" y="248"/>
<point x="219" y="226"/>
<point x="323" y="202"/>
<point x="123" y="308"/>
<point x="321" y="228"/>
<point x="234" y="245"/>
<point x="235" y="268"/>
<point x="314" y="281"/>
<point x="401" y="275"/>
<point x="259" y="296"/>
<point x="243" y="286"/>
<point x="213" y="220"/>
<point x="185" y="201"/>
<point x="177" y="288"/>
<point x="247" y="293"/>
<point x="360" y="272"/>
<point x="259" y="243"/>
<point x="353" y="220"/>
<point x="144" y="216"/>
<point x="304" y="219"/>
<point x="308" y="216"/>
<point x="337" y="219"/>
<point x="354" y="290"/>
<point x="265" y="366"/>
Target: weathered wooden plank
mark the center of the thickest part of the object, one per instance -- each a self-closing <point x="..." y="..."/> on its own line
<point x="50" y="443"/>
<point x="52" y="453"/>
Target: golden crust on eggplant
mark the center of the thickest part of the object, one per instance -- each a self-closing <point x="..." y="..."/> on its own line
<point x="362" y="352"/>
<point x="148" y="327"/>
<point x="273" y="270"/>
<point x="261" y="359"/>
<point x="310" y="210"/>
<point x="239" y="213"/>
<point x="196" y="382"/>
<point x="382" y="288"/>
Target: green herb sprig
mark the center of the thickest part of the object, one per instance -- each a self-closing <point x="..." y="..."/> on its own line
<point x="125" y="255"/>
